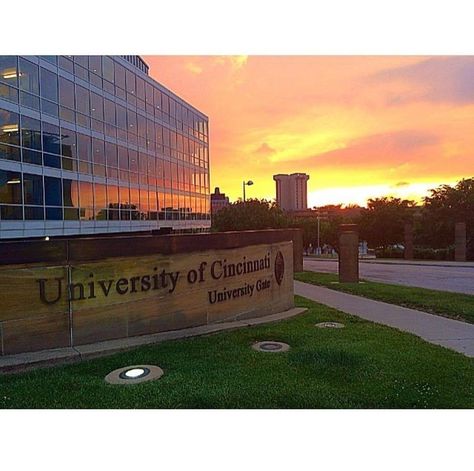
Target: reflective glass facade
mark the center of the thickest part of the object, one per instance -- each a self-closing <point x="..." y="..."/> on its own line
<point x="92" y="144"/>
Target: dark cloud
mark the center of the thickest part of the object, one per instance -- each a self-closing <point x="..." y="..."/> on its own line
<point x="437" y="79"/>
<point x="400" y="184"/>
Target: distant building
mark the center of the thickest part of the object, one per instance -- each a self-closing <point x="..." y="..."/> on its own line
<point x="291" y="191"/>
<point x="218" y="200"/>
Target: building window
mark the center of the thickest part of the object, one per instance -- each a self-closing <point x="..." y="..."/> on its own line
<point x="29" y="77"/>
<point x="66" y="93"/>
<point x="8" y="70"/>
<point x="52" y="191"/>
<point x="49" y="85"/>
<point x="10" y="187"/>
<point x="31" y="133"/>
<point x="33" y="189"/>
<point x="9" y="128"/>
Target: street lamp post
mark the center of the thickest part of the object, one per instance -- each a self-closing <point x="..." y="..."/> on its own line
<point x="319" y="246"/>
<point x="319" y="215"/>
<point x="244" y="184"/>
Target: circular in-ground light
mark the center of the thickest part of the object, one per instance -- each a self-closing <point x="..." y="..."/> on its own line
<point x="330" y="325"/>
<point x="270" y="346"/>
<point x="134" y="374"/>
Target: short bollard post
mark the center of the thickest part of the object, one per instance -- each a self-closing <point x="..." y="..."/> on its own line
<point x="460" y="242"/>
<point x="408" y="236"/>
<point x="348" y="253"/>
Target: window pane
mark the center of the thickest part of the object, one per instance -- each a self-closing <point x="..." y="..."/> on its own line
<point x="33" y="189"/>
<point x="82" y="100"/>
<point x="52" y="59"/>
<point x="121" y="117"/>
<point x="52" y="191"/>
<point x="8" y="93"/>
<point x="130" y="82"/>
<point x="10" y="187"/>
<point x="97" y="106"/>
<point x="82" y="60"/>
<point x="141" y="122"/>
<point x="30" y="133"/>
<point x="119" y="76"/>
<point x="98" y="151"/>
<point x="108" y="68"/>
<point x="71" y="193"/>
<point x="100" y="196"/>
<point x="50" y="160"/>
<point x="123" y="158"/>
<point x="81" y="72"/>
<point x="71" y="214"/>
<point x="29" y="100"/>
<point x="32" y="156"/>
<point x="66" y="92"/>
<point x="9" y="128"/>
<point x="95" y="64"/>
<point x="29" y="77"/>
<point x="149" y="94"/>
<point x="84" y="147"/>
<point x="9" y="152"/>
<point x="49" y="85"/>
<point x="65" y="63"/>
<point x="50" y="108"/>
<point x="133" y="160"/>
<point x="34" y="213"/>
<point x="68" y="143"/>
<point x="8" y="70"/>
<point x="55" y="214"/>
<point x="51" y="139"/>
<point x="140" y="88"/>
<point x="109" y="109"/>
<point x="111" y="154"/>
<point x="11" y="212"/>
<point x="132" y="121"/>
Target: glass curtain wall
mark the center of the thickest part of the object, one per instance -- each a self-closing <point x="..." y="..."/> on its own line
<point x="101" y="140"/>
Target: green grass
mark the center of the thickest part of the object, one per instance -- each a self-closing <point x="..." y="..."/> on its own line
<point x="453" y="305"/>
<point x="363" y="365"/>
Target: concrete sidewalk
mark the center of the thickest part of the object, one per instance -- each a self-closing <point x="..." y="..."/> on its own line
<point x="449" y="333"/>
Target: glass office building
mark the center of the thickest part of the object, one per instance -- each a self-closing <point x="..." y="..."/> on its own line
<point x="92" y="144"/>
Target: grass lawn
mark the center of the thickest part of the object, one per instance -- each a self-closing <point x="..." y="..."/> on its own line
<point x="363" y="365"/>
<point x="453" y="305"/>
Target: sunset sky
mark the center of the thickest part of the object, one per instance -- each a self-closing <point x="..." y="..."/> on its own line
<point x="359" y="126"/>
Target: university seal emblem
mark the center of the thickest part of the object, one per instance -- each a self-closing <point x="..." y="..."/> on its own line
<point x="279" y="267"/>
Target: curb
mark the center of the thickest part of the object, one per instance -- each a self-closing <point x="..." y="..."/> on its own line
<point x="60" y="356"/>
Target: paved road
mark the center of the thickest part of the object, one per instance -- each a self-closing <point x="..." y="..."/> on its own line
<point x="459" y="279"/>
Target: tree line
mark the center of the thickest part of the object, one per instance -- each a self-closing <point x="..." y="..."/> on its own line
<point x="381" y="223"/>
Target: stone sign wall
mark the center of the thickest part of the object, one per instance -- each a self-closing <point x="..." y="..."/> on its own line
<point x="152" y="285"/>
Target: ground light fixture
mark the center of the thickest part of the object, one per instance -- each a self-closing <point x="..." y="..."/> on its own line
<point x="330" y="325"/>
<point x="271" y="346"/>
<point x="134" y="374"/>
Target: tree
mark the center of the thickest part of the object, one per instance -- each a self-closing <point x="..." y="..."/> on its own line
<point x="442" y="209"/>
<point x="382" y="223"/>
<point x="252" y="214"/>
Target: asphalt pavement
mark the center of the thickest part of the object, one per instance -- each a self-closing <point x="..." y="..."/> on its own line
<point x="444" y="276"/>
